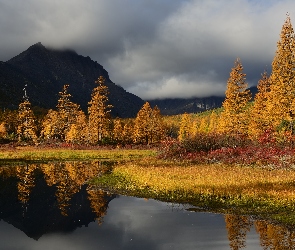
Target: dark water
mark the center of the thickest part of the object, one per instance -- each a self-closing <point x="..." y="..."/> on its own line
<point x="51" y="206"/>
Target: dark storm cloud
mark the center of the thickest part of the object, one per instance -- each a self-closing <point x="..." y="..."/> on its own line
<point x="153" y="48"/>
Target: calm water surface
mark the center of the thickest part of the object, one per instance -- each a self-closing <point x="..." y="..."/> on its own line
<point x="51" y="206"/>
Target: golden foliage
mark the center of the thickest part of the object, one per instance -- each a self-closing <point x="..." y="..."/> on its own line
<point x="280" y="104"/>
<point x="234" y="117"/>
<point x="98" y="111"/>
<point x="26" y="129"/>
<point x="148" y="125"/>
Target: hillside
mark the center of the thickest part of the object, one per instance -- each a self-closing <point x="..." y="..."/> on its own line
<point x="45" y="71"/>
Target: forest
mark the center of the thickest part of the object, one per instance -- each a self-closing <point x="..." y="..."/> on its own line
<point x="245" y="129"/>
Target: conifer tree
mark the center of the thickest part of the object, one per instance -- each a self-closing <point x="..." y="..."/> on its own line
<point x="118" y="131"/>
<point x="98" y="111"/>
<point x="157" y="125"/>
<point x="142" y="126"/>
<point x="128" y="132"/>
<point x="185" y="127"/>
<point x="234" y="117"/>
<point x="26" y="129"/>
<point x="259" y="116"/>
<point x="282" y="78"/>
<point x="57" y="124"/>
<point x="213" y="122"/>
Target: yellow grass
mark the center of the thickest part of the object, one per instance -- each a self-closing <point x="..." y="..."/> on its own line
<point x="217" y="179"/>
<point x="32" y="153"/>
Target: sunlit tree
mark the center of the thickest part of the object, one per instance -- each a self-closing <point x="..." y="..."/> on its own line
<point x="185" y="127"/>
<point x="281" y="104"/>
<point x="26" y="129"/>
<point x="99" y="113"/>
<point x="234" y="116"/>
<point x="259" y="116"/>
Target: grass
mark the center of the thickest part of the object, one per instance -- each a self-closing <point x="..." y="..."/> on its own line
<point x="266" y="193"/>
<point x="36" y="154"/>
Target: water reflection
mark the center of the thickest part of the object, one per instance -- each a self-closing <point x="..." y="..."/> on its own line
<point x="45" y="200"/>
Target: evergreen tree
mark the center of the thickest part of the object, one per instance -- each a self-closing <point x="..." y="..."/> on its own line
<point x="234" y="116"/>
<point x="26" y="129"/>
<point x="98" y="110"/>
<point x="280" y="105"/>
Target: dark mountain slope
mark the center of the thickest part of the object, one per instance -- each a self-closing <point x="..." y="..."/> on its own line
<point x="46" y="70"/>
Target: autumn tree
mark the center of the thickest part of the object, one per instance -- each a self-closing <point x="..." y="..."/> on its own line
<point x="26" y="129"/>
<point x="157" y="132"/>
<point x="259" y="116"/>
<point x="148" y="125"/>
<point x="99" y="113"/>
<point x="234" y="117"/>
<point x="185" y="127"/>
<point x="118" y="131"/>
<point x="281" y="102"/>
<point x="128" y="132"/>
<point x="142" y="125"/>
<point x="68" y="122"/>
<point x="213" y="122"/>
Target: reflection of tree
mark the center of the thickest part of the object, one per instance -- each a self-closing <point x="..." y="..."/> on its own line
<point x="98" y="202"/>
<point x="274" y="236"/>
<point x="237" y="227"/>
<point x="69" y="178"/>
<point x="26" y="182"/>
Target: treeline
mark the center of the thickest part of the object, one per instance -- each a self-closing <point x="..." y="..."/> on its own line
<point x="273" y="107"/>
<point x="272" y="112"/>
<point x="68" y="123"/>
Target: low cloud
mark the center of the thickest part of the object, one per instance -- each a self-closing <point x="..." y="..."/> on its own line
<point x="154" y="49"/>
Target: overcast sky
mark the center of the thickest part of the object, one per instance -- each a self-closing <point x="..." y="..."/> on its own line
<point x="153" y="48"/>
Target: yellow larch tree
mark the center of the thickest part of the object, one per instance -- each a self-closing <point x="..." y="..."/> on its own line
<point x="142" y="125"/>
<point x="26" y="129"/>
<point x="128" y="132"/>
<point x="66" y="121"/>
<point x="280" y="105"/>
<point x="157" y="132"/>
<point x="185" y="127"/>
<point x="259" y="116"/>
<point x="99" y="113"/>
<point x="233" y="118"/>
<point x="213" y="122"/>
<point x="118" y="135"/>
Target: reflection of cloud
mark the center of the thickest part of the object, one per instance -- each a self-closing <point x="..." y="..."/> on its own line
<point x="146" y="44"/>
<point x="133" y="223"/>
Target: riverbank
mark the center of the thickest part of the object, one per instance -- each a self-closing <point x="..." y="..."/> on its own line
<point x="262" y="192"/>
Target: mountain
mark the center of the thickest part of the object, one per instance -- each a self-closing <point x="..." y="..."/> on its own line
<point x="45" y="71"/>
<point x="174" y="106"/>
